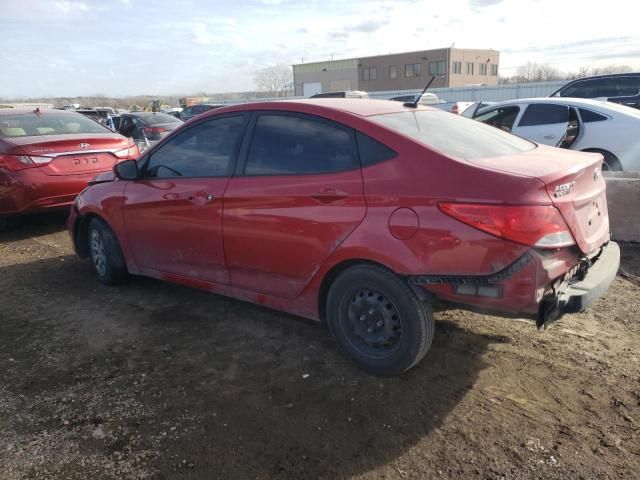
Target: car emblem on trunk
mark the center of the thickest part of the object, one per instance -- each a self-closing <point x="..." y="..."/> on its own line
<point x="564" y="189"/>
<point x="596" y="174"/>
<point x="84" y="145"/>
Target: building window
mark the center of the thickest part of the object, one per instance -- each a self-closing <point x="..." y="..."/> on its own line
<point x="457" y="67"/>
<point x="436" y="68"/>
<point x="483" y="69"/>
<point x="393" y="71"/>
<point x="412" y="70"/>
<point x="369" y="73"/>
<point x="494" y="69"/>
<point x="469" y="68"/>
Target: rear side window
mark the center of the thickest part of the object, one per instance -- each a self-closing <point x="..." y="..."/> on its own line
<point x="300" y="144"/>
<point x="544" y="114"/>
<point x="371" y="151"/>
<point x="589" y="116"/>
<point x="454" y="135"/>
<point x="204" y="150"/>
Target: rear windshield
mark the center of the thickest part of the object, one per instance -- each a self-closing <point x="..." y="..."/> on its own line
<point x="454" y="135"/>
<point x="151" y="118"/>
<point x="28" y="124"/>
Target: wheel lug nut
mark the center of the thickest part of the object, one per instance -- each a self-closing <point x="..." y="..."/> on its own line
<point x="379" y="324"/>
<point x="372" y="311"/>
<point x="363" y="318"/>
<point x="369" y="329"/>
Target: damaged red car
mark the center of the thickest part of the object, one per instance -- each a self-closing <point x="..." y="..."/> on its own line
<point x="48" y="156"/>
<point x="358" y="213"/>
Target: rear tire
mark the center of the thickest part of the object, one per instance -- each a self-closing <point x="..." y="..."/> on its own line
<point x="105" y="253"/>
<point x="377" y="320"/>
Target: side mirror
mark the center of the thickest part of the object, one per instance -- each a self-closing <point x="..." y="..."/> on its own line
<point x="127" y="170"/>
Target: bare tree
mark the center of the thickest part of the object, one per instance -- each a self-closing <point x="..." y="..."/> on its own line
<point x="274" y="79"/>
<point x="537" y="72"/>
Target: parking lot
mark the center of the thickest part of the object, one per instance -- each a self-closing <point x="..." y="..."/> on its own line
<point x="152" y="380"/>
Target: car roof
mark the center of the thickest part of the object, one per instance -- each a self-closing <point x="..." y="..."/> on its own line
<point x="581" y="102"/>
<point x="356" y="106"/>
<point x="605" y="75"/>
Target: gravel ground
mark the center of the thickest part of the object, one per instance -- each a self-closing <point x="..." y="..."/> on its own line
<point x="152" y="380"/>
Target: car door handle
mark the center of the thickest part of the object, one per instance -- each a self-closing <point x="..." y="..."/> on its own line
<point x="201" y="198"/>
<point x="329" y="195"/>
<point x="549" y="137"/>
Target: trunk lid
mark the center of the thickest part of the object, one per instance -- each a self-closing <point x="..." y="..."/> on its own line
<point x="574" y="183"/>
<point x="71" y="154"/>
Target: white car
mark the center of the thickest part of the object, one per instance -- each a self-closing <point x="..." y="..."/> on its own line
<point x="579" y="124"/>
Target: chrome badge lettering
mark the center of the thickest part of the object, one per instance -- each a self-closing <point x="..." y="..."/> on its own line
<point x="84" y="145"/>
<point x="564" y="189"/>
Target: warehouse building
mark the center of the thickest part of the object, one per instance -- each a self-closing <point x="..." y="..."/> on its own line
<point x="453" y="67"/>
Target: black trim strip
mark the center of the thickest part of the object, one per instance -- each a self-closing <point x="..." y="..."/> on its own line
<point x="473" y="279"/>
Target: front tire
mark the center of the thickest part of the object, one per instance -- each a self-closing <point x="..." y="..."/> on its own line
<point x="377" y="320"/>
<point x="105" y="253"/>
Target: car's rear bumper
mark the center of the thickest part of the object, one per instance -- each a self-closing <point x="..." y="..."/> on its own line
<point x="542" y="284"/>
<point x="578" y="290"/>
<point x="30" y="190"/>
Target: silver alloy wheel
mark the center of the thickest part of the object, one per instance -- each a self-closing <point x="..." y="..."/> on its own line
<point x="98" y="254"/>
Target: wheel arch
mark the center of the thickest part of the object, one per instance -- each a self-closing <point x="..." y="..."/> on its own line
<point x="80" y="232"/>
<point x="606" y="153"/>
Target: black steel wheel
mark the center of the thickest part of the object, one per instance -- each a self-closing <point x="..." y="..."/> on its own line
<point x="378" y="320"/>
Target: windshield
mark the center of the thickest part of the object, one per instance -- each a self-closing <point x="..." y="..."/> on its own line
<point x="454" y="135"/>
<point x="28" y="124"/>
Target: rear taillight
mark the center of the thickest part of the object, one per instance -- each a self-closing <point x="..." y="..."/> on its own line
<point x="533" y="225"/>
<point x="129" y="152"/>
<point x="152" y="130"/>
<point x="15" y="163"/>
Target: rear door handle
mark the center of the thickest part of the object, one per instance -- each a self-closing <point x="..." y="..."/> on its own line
<point x="549" y="137"/>
<point x="329" y="195"/>
<point x="201" y="197"/>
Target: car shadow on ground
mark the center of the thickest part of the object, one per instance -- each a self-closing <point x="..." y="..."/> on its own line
<point x="212" y="387"/>
<point x="27" y="226"/>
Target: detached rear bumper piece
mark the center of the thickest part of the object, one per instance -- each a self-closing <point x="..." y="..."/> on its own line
<point x="580" y="289"/>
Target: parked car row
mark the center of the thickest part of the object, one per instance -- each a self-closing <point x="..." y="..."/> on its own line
<point x="358" y="213"/>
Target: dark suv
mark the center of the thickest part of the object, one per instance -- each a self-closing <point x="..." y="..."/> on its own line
<point x="621" y="88"/>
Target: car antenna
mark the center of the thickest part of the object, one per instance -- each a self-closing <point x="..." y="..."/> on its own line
<point x="414" y="104"/>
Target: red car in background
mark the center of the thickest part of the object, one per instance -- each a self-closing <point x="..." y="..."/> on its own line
<point x="358" y="213"/>
<point x="48" y="156"/>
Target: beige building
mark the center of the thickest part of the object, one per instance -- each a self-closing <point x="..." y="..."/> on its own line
<point x="453" y="67"/>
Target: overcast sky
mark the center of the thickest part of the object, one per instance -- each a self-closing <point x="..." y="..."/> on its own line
<point x="124" y="47"/>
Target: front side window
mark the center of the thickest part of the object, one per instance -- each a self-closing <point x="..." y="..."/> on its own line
<point x="204" y="150"/>
<point x="436" y="68"/>
<point x="412" y="70"/>
<point x="502" y="118"/>
<point x="454" y="135"/>
<point x="299" y="145"/>
<point x="629" y="86"/>
<point x="593" y="88"/>
<point x="544" y="114"/>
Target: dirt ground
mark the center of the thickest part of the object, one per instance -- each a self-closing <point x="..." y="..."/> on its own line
<point x="152" y="380"/>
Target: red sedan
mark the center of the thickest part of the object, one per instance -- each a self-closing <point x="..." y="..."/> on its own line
<point x="47" y="157"/>
<point x="359" y="213"/>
